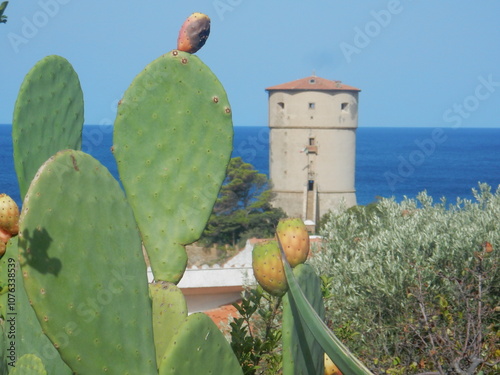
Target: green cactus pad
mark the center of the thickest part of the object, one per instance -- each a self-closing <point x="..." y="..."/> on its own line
<point x="28" y="338"/>
<point x="48" y="116"/>
<point x="169" y="312"/>
<point x="29" y="364"/>
<point x="200" y="348"/>
<point x="3" y="349"/>
<point x="302" y="354"/>
<point x="172" y="143"/>
<point x="83" y="267"/>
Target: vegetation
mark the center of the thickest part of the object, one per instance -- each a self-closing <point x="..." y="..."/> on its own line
<point x="256" y="333"/>
<point x="243" y="208"/>
<point x="3" y="18"/>
<point x="413" y="286"/>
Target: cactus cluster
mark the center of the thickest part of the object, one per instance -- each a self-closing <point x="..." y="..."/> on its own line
<point x="83" y="301"/>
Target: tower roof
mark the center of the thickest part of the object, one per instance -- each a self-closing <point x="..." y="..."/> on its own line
<point x="312" y="83"/>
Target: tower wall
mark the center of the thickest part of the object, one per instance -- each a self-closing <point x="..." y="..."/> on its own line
<point x="312" y="149"/>
<point x="330" y="109"/>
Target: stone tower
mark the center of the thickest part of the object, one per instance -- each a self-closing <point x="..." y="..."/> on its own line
<point x="312" y="148"/>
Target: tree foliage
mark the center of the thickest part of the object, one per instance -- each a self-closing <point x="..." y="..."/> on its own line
<point x="414" y="286"/>
<point x="243" y="209"/>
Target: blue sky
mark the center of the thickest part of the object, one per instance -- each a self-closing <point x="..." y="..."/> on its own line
<point x="418" y="63"/>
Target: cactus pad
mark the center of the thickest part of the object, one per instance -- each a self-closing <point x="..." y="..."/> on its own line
<point x="83" y="267"/>
<point x="48" y="116"/>
<point x="29" y="338"/>
<point x="172" y="143"/>
<point x="199" y="348"/>
<point x="29" y="364"/>
<point x="302" y="354"/>
<point x="169" y="312"/>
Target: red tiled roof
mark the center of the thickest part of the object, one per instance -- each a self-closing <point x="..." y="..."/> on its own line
<point x="313" y="83"/>
<point x="220" y="316"/>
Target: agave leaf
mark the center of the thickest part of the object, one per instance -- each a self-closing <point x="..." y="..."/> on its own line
<point x="336" y="350"/>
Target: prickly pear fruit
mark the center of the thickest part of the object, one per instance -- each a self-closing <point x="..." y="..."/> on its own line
<point x="292" y="233"/>
<point x="330" y="367"/>
<point x="268" y="267"/>
<point x="193" y="33"/>
<point x="9" y="218"/>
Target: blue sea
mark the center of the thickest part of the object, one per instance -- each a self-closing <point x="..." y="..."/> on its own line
<point x="390" y="162"/>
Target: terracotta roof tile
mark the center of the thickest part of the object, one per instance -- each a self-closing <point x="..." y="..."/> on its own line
<point x="313" y="83"/>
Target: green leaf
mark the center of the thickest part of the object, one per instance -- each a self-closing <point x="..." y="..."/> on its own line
<point x="338" y="352"/>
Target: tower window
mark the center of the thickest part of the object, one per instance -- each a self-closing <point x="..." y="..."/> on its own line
<point x="312" y="105"/>
<point x="344" y="106"/>
<point x="281" y="105"/>
<point x="312" y="141"/>
<point x="310" y="185"/>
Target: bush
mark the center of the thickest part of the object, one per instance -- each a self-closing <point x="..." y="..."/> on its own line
<point x="414" y="286"/>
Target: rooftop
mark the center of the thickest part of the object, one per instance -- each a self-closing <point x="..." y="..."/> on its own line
<point x="313" y="83"/>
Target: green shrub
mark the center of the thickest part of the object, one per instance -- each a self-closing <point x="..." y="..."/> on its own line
<point x="414" y="285"/>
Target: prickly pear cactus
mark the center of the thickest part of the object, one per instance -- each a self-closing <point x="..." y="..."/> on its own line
<point x="172" y="143"/>
<point x="83" y="267"/>
<point x="29" y="364"/>
<point x="29" y="338"/>
<point x="302" y="354"/>
<point x="294" y="238"/>
<point x="268" y="268"/>
<point x="48" y="116"/>
<point x="169" y="312"/>
<point x="199" y="347"/>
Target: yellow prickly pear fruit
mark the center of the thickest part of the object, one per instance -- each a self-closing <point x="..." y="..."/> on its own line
<point x="268" y="268"/>
<point x="294" y="238"/>
<point x="330" y="367"/>
<point x="194" y="33"/>
<point x="9" y="218"/>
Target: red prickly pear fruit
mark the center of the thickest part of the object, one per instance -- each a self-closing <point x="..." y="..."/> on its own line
<point x="9" y="218"/>
<point x="194" y="33"/>
<point x="294" y="238"/>
<point x="268" y="267"/>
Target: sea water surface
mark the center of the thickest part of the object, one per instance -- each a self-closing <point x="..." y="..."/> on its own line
<point x="390" y="162"/>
